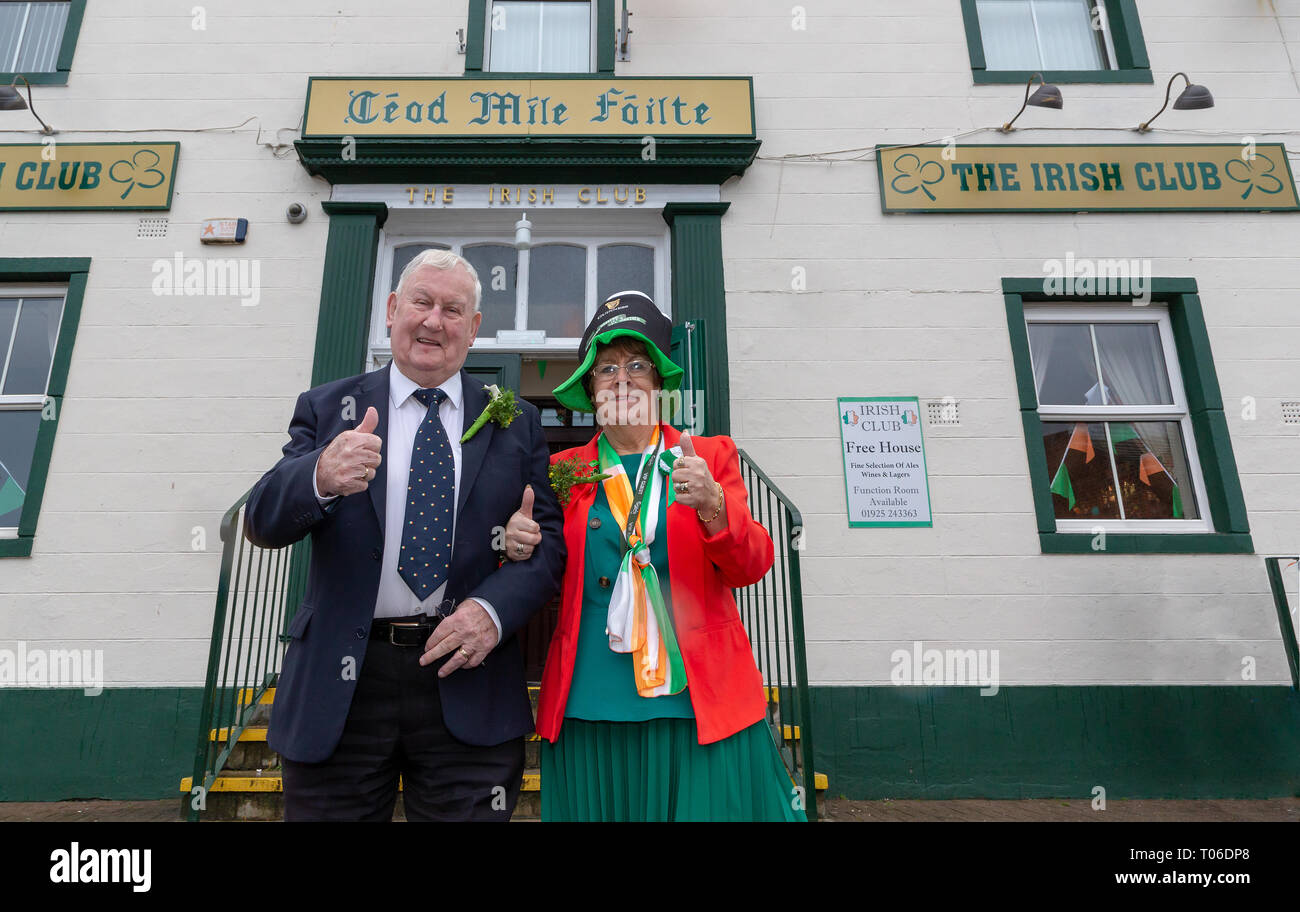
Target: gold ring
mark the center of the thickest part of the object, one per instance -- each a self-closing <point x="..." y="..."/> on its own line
<point x="464" y="652"/>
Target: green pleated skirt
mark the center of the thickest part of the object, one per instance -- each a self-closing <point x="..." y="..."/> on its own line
<point x="658" y="771"/>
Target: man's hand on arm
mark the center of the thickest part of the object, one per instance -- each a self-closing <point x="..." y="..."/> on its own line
<point x="468" y="635"/>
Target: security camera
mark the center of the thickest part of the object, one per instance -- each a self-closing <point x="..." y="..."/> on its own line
<point x="296" y="213"/>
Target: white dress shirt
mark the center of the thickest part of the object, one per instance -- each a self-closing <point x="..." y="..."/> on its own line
<point x="405" y="415"/>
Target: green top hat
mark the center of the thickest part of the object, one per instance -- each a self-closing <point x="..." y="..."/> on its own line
<point x="627" y="313"/>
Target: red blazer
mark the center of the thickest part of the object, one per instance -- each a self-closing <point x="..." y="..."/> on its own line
<point x="724" y="684"/>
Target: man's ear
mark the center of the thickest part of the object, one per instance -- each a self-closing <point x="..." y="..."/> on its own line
<point x="392" y="308"/>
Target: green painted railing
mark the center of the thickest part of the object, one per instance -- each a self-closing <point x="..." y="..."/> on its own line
<point x="1289" y="643"/>
<point x="257" y="592"/>
<point x="772" y="611"/>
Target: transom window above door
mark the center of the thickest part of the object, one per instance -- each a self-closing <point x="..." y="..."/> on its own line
<point x="549" y="290"/>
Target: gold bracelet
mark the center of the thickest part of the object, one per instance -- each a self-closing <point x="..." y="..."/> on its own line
<point x="715" y="512"/>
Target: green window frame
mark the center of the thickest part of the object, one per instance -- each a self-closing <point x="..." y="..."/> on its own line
<point x="76" y="12"/>
<point x="72" y="272"/>
<point x="1126" y="33"/>
<point x="1226" y="505"/>
<point x="476" y="32"/>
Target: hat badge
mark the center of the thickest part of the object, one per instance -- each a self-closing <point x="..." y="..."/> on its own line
<point x="610" y="305"/>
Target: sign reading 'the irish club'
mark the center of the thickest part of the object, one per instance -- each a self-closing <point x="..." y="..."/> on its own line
<point x="1247" y="177"/>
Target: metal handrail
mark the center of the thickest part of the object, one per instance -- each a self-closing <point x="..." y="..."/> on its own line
<point x="1289" y="643"/>
<point x="772" y="611"/>
<point x="253" y="592"/>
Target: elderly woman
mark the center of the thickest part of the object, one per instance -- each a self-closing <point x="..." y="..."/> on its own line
<point x="651" y="706"/>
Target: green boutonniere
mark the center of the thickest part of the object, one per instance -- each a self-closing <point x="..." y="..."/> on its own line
<point x="569" y="472"/>
<point x="501" y="408"/>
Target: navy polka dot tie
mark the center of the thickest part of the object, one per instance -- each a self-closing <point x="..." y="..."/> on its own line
<point x="430" y="503"/>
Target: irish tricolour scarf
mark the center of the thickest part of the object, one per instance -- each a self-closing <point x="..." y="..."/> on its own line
<point x="638" y="621"/>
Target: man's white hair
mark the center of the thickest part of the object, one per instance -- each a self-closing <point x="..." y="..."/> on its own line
<point x="441" y="259"/>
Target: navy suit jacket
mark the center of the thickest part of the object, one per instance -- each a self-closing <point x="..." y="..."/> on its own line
<point x="329" y="634"/>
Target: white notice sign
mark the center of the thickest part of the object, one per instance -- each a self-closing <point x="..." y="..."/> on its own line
<point x="884" y="461"/>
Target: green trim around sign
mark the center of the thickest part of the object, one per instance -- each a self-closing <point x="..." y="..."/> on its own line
<point x="475" y="41"/>
<point x="67" y="48"/>
<point x="699" y="293"/>
<point x="1135" y="741"/>
<point x="1227" y="505"/>
<point x="1131" y="59"/>
<point x="73" y="271"/>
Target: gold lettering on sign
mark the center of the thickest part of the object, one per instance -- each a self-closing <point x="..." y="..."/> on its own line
<point x="617" y="197"/>
<point x="640" y="194"/>
<point x="548" y="195"/>
<point x="448" y="195"/>
<point x="600" y="195"/>
<point x="410" y="194"/>
<point x="584" y="195"/>
<point x="430" y="194"/>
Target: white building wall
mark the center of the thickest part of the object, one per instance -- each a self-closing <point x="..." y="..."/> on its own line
<point x="176" y="405"/>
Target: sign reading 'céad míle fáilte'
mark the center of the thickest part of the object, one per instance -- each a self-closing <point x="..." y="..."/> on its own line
<point x="434" y="108"/>
<point x="1096" y="178"/>
<point x="58" y="175"/>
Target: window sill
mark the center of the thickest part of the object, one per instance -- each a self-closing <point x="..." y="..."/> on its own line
<point x="1148" y="543"/>
<point x="15" y="547"/>
<point x="1063" y="77"/>
<point x="57" y="78"/>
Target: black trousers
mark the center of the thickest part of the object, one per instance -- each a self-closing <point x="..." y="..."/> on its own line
<point x="395" y="728"/>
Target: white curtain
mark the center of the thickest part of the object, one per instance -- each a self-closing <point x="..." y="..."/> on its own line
<point x="1066" y="35"/>
<point x="541" y="37"/>
<point x="1063" y="363"/>
<point x="1133" y="364"/>
<point x="1039" y="34"/>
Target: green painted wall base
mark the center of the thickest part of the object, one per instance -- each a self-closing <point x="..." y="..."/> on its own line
<point x="1058" y="742"/>
<point x="872" y="742"/>
<point x="125" y="743"/>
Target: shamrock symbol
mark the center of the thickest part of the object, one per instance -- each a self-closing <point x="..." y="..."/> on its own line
<point x="915" y="170"/>
<point x="1248" y="172"/>
<point x="131" y="176"/>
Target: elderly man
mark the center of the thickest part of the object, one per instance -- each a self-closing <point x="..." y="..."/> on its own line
<point x="403" y="659"/>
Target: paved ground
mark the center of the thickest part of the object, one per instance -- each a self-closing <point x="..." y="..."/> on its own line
<point x="839" y="810"/>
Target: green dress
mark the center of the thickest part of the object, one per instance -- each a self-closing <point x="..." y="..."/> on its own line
<point x="623" y="757"/>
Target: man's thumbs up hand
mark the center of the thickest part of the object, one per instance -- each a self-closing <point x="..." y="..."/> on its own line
<point x="369" y="421"/>
<point x="350" y="462"/>
<point x="688" y="448"/>
<point x="522" y="534"/>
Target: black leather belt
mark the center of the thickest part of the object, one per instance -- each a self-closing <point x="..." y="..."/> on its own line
<point x="412" y="631"/>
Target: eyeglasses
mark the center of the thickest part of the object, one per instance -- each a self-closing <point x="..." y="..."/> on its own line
<point x="610" y="371"/>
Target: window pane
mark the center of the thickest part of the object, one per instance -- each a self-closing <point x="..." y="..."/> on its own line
<point x="17" y="443"/>
<point x="29" y="363"/>
<point x="545" y="37"/>
<point x="1066" y="35"/>
<point x="403" y="255"/>
<point x="625" y="267"/>
<point x="1132" y="364"/>
<point x="1152" y="466"/>
<point x="1007" y="31"/>
<point x="1079" y="472"/>
<point x="8" y="311"/>
<point x="497" y="266"/>
<point x="39" y="51"/>
<point x="557" y="290"/>
<point x="1065" y="371"/>
<point x="11" y="23"/>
